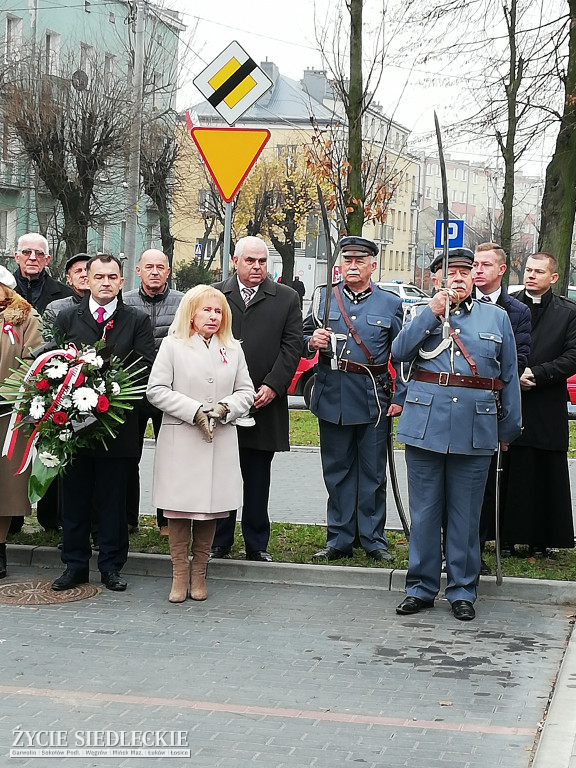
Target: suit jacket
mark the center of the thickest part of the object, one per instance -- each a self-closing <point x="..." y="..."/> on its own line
<point x="552" y="361"/>
<point x="270" y="331"/>
<point x="131" y="339"/>
<point x="51" y="291"/>
<point x="350" y="398"/>
<point x="456" y="419"/>
<point x="520" y="321"/>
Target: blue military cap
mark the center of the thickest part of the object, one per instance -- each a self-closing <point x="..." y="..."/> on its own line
<point x="457" y="257"/>
<point x="351" y="245"/>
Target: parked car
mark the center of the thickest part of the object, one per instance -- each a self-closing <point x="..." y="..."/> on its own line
<point x="410" y="294"/>
<point x="303" y="379"/>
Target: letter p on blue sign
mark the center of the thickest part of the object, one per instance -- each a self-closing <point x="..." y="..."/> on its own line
<point x="455" y="233"/>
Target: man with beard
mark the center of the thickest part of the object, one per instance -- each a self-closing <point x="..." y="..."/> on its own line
<point x="462" y="397"/>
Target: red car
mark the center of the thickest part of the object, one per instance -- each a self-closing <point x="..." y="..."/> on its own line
<point x="303" y="380"/>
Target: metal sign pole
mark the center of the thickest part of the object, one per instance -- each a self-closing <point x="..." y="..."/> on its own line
<point x="227" y="238"/>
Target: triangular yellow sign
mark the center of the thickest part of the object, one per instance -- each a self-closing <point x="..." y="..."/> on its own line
<point x="229" y="154"/>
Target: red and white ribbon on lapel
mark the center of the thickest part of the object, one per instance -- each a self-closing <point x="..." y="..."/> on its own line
<point x="9" y="330"/>
<point x="70" y="353"/>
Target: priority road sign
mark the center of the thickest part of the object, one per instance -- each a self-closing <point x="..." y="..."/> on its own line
<point x="229" y="154"/>
<point x="232" y="83"/>
<point x="455" y="233"/>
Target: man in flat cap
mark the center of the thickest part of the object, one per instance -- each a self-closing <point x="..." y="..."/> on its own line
<point x="462" y="397"/>
<point x="352" y="400"/>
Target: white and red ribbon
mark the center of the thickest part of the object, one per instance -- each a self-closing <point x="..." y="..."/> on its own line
<point x="9" y="330"/>
<point x="70" y="353"/>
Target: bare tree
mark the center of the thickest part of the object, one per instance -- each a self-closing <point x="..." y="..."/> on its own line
<point x="74" y="133"/>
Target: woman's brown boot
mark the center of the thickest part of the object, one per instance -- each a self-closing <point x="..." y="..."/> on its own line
<point x="202" y="538"/>
<point x="179" y="539"/>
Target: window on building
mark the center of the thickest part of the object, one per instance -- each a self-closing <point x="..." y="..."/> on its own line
<point x="474" y="178"/>
<point x="464" y="174"/>
<point x="402" y="261"/>
<point x="391" y="261"/>
<point x="3" y="230"/>
<point x="437" y="194"/>
<point x="462" y="197"/>
<point x="13" y="39"/>
<point x="52" y="49"/>
<point x="87" y="60"/>
<point x="404" y="221"/>
<point x="109" y="69"/>
<point x="157" y="92"/>
<point x="455" y="173"/>
<point x="427" y="193"/>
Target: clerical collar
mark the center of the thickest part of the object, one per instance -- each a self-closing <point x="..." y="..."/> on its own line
<point x="356" y="298"/>
<point x="534" y="299"/>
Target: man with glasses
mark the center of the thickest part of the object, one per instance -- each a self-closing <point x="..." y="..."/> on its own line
<point x="32" y="279"/>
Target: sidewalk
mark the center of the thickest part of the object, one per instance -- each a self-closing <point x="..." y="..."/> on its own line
<point x="293" y="666"/>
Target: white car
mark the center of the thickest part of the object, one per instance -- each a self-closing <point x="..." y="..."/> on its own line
<point x="410" y="294"/>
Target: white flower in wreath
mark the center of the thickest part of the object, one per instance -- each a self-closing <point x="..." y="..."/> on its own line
<point x="85" y="399"/>
<point x="48" y="459"/>
<point x="91" y="358"/>
<point x="100" y="387"/>
<point x="56" y="370"/>
<point x="115" y="388"/>
<point x="66" y="402"/>
<point x="37" y="407"/>
<point x="65" y="435"/>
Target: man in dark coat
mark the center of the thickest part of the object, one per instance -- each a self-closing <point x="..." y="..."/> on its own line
<point x="159" y="302"/>
<point x="98" y="477"/>
<point x="488" y="269"/>
<point x="32" y="280"/>
<point x="266" y="318"/>
<point x="537" y="507"/>
<point x="39" y="289"/>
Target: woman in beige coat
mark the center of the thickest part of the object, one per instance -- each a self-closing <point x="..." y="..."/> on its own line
<point x="19" y="332"/>
<point x="200" y="381"/>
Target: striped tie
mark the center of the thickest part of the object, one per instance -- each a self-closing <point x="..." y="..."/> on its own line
<point x="247" y="293"/>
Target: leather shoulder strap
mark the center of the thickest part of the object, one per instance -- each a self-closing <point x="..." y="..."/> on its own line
<point x="350" y="327"/>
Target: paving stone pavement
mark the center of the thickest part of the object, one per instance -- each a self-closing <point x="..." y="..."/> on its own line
<point x="283" y="676"/>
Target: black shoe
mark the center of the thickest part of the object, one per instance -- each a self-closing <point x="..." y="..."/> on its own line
<point x="219" y="552"/>
<point x="261" y="556"/>
<point x="70" y="579"/>
<point x="380" y="555"/>
<point x="112" y="580"/>
<point x="330" y="553"/>
<point x="485" y="569"/>
<point x="3" y="560"/>
<point x="463" y="610"/>
<point x="16" y="524"/>
<point x="412" y="604"/>
<point x="132" y="528"/>
<point x="537" y="551"/>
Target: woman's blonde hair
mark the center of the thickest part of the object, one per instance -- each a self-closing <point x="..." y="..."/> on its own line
<point x="193" y="299"/>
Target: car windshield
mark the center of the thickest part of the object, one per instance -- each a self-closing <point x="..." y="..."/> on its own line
<point x="413" y="292"/>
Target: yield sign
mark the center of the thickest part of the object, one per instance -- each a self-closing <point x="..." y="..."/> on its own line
<point x="229" y="154"/>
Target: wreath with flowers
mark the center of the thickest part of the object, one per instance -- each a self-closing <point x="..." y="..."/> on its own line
<point x="71" y="399"/>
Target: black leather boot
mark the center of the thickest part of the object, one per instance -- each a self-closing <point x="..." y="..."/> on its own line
<point x="2" y="561"/>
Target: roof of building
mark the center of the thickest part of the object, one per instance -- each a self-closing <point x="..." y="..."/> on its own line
<point x="287" y="102"/>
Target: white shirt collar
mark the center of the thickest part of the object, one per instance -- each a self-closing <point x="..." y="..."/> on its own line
<point x="253" y="287"/>
<point x="494" y="296"/>
<point x="109" y="309"/>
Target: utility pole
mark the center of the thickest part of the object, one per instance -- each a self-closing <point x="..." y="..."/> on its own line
<point x="133" y="191"/>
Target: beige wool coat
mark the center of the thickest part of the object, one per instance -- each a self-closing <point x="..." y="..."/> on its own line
<point x="26" y="322"/>
<point x="192" y="474"/>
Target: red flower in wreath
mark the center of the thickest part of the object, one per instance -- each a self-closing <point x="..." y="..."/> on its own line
<point x="80" y="380"/>
<point x="59" y="418"/>
<point x="43" y="385"/>
<point x="103" y="404"/>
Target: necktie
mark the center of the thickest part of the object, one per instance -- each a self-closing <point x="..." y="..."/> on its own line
<point x="247" y="293"/>
<point x="100" y="312"/>
<point x="486" y="299"/>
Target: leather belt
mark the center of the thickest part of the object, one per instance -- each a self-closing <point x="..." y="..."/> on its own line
<point x="349" y="366"/>
<point x="445" y="379"/>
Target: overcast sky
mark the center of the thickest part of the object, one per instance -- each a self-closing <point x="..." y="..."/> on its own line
<point x="285" y="34"/>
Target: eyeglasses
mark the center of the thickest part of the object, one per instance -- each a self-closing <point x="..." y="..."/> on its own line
<point x="27" y="252"/>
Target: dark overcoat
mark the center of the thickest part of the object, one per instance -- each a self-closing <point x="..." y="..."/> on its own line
<point x="51" y="291"/>
<point x="270" y="331"/>
<point x="552" y="360"/>
<point x="131" y="338"/>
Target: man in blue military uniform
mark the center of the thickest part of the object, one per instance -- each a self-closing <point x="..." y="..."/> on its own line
<point x="351" y="399"/>
<point x="463" y="396"/>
